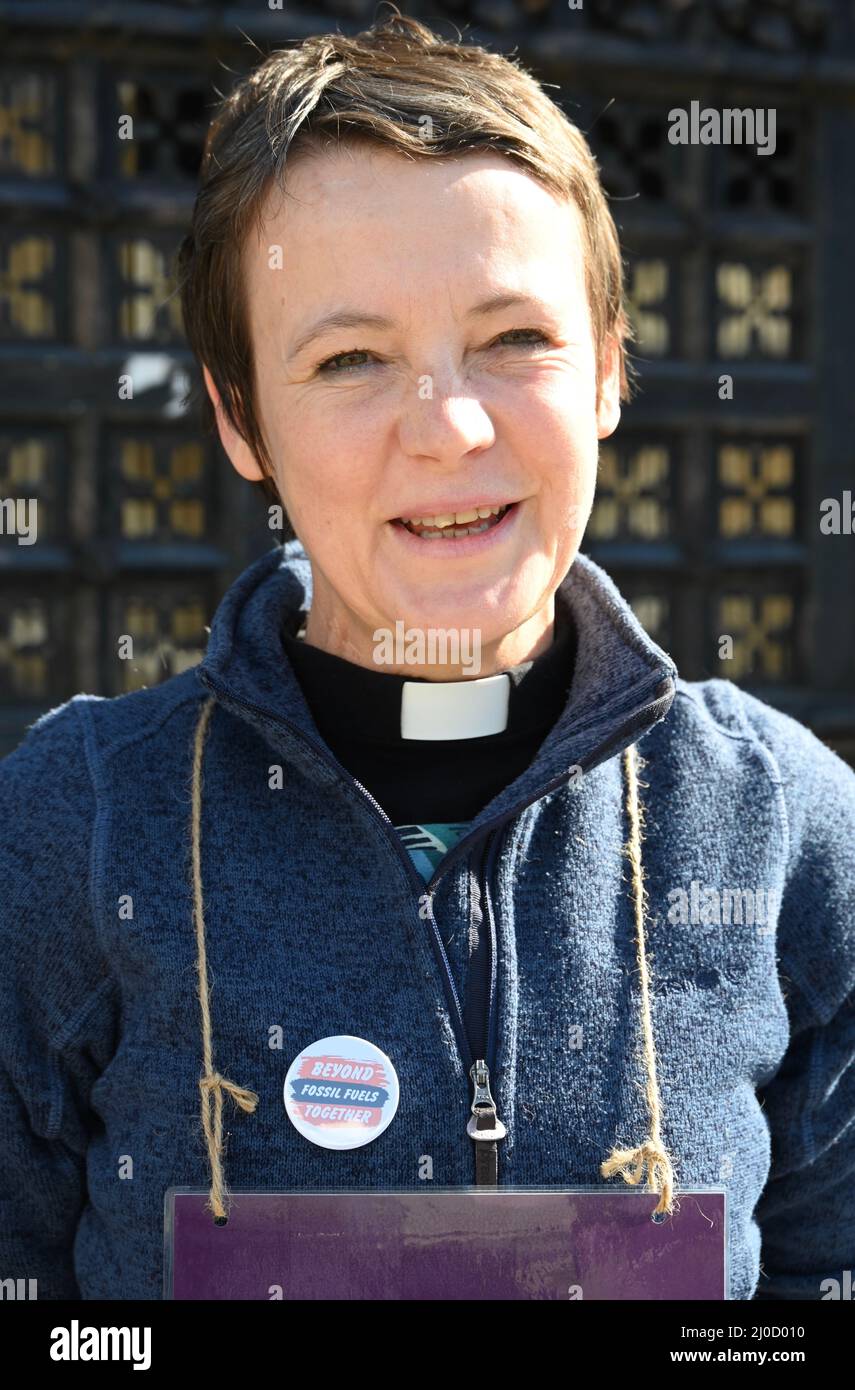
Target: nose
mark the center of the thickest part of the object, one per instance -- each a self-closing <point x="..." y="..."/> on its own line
<point x="445" y="422"/>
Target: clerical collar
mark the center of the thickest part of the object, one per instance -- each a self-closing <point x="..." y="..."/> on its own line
<point x="384" y="707"/>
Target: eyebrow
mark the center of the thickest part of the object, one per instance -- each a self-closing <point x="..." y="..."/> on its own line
<point x="352" y="318"/>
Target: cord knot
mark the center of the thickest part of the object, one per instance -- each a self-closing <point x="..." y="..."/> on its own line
<point x="631" y="1164"/>
<point x="247" y="1100"/>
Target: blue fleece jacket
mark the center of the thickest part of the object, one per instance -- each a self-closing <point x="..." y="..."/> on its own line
<point x="318" y="923"/>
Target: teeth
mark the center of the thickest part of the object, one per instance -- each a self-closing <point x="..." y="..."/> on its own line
<point x="441" y="528"/>
<point x="453" y="518"/>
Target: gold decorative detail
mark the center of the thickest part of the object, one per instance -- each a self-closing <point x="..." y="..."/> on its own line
<point x="29" y="309"/>
<point x="647" y="292"/>
<point x="761" y="631"/>
<point x="25" y="148"/>
<point x="26" y="466"/>
<point x="187" y="517"/>
<point x="757" y="305"/>
<point x="137" y="460"/>
<point x="25" y="668"/>
<point x="760" y="476"/>
<point x="630" y="497"/>
<point x="139" y="518"/>
<point x="160" y="652"/>
<point x="652" y="612"/>
<point x="153" y="304"/>
<point x="166" y="507"/>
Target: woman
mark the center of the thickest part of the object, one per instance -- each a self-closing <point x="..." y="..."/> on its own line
<point x="397" y="808"/>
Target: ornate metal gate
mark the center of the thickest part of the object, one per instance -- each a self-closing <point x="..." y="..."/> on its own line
<point x="741" y="271"/>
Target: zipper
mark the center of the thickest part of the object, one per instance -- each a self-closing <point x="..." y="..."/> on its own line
<point x="484" y="1128"/>
<point x="422" y="890"/>
<point x="481" y="983"/>
<point x="481" y="1006"/>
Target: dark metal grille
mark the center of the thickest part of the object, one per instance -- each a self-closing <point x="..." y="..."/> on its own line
<point x="741" y="283"/>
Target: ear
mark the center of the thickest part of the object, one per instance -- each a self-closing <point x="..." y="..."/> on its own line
<point x="608" y="405"/>
<point x="239" y="452"/>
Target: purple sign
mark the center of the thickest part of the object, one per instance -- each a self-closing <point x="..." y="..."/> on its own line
<point x="446" y="1244"/>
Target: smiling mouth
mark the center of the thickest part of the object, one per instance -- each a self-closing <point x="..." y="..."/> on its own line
<point x="454" y="526"/>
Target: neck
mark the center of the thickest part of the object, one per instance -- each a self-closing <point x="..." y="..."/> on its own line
<point x="424" y="653"/>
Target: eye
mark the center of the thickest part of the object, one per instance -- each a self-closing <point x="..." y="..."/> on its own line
<point x="538" y="336"/>
<point x="327" y="365"/>
<point x="329" y="368"/>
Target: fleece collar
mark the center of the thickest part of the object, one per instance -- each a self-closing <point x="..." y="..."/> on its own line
<point x="623" y="683"/>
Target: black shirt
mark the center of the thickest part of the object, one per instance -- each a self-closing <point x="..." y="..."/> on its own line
<point x="431" y="789"/>
<point x="358" y="714"/>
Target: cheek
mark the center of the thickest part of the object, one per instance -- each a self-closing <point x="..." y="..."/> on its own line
<point x="560" y="448"/>
<point x="327" y="480"/>
<point x="559" y="404"/>
<point x="339" y="461"/>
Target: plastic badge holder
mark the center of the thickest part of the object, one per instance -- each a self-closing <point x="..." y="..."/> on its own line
<point x="447" y="1243"/>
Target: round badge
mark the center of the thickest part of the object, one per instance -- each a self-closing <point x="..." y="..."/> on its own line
<point x="341" y="1092"/>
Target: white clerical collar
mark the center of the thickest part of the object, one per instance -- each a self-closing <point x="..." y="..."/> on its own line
<point x="439" y="711"/>
<point x="443" y="710"/>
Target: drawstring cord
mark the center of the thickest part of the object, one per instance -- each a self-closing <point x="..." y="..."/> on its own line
<point x="630" y="1163"/>
<point x="212" y="1084"/>
<point x="652" y="1154"/>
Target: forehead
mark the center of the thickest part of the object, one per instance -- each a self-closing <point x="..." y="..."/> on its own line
<point x="358" y="218"/>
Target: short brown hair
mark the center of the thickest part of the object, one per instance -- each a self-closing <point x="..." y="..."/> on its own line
<point x="377" y="87"/>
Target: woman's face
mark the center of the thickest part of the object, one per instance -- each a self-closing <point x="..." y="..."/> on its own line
<point x="431" y="400"/>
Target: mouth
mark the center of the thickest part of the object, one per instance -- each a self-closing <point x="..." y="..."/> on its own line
<point x="456" y="526"/>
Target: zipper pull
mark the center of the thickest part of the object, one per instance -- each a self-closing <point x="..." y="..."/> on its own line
<point x="485" y="1127"/>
